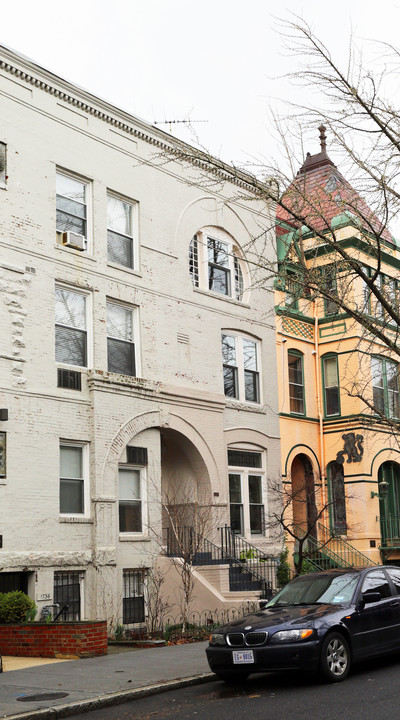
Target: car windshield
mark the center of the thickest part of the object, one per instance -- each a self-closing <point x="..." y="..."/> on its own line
<point x="309" y="589"/>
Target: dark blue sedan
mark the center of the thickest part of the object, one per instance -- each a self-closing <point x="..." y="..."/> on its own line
<point x="321" y="622"/>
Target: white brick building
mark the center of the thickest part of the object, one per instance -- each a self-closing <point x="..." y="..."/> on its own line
<point x="120" y="271"/>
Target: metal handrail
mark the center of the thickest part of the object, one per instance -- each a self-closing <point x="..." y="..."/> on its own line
<point x="233" y="551"/>
<point x="351" y="557"/>
<point x="326" y="558"/>
<point x="261" y="566"/>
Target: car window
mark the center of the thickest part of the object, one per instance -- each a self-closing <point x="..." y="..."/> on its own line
<point x="309" y="589"/>
<point x="376" y="581"/>
<point x="394" y="575"/>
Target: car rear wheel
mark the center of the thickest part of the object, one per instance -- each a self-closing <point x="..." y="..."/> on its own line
<point x="232" y="677"/>
<point x="335" y="657"/>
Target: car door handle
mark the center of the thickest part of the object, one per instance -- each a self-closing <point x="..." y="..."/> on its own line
<point x="394" y="603"/>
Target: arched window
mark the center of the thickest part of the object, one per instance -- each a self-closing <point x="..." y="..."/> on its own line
<point x="337" y="498"/>
<point x="215" y="263"/>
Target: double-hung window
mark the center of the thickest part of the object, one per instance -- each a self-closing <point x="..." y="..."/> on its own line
<point x="130" y="500"/>
<point x="385" y="386"/>
<point x="214" y="263"/>
<point x="246" y="474"/>
<point x="120" y="232"/>
<point x="72" y="195"/>
<point x="72" y="482"/>
<point x="241" y="368"/>
<point x="296" y="382"/>
<point x="331" y="385"/>
<point x="120" y="339"/>
<point x="71" y="327"/>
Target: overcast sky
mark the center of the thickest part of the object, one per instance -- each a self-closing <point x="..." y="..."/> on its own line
<point x="215" y="60"/>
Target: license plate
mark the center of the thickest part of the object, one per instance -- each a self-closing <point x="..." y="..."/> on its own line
<point x="242" y="657"/>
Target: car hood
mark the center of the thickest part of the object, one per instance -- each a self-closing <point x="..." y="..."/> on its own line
<point x="292" y="614"/>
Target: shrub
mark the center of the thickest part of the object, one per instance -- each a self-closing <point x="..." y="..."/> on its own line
<point x="16" y="607"/>
<point x="283" y="570"/>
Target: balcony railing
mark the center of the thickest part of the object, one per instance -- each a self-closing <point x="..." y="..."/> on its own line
<point x="390" y="531"/>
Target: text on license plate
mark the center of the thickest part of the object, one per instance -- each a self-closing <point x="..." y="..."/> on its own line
<point x="242" y="657"/>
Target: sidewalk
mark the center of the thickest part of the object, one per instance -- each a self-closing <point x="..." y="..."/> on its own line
<point x="100" y="682"/>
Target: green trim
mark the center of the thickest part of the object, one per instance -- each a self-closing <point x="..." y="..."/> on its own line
<point x="293" y="416"/>
<point x="357" y="244"/>
<point x="294" y="313"/>
<point x="308" y="448"/>
<point x="330" y="356"/>
<point x="334" y="327"/>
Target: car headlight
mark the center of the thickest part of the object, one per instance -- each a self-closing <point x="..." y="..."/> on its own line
<point x="217" y="639"/>
<point x="292" y="635"/>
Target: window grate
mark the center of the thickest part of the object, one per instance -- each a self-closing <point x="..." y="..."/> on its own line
<point x="133" y="599"/>
<point x="70" y="379"/>
<point x="136" y="455"/>
<point x="67" y="592"/>
<point x="244" y="458"/>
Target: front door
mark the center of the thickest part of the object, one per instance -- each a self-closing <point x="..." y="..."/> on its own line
<point x="389" y="504"/>
<point x="375" y="626"/>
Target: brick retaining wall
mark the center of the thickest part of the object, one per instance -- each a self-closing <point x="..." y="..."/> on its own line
<point x="55" y="640"/>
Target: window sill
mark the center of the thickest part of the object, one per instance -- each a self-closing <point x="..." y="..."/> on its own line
<point x="243" y="405"/>
<point x="133" y="537"/>
<point x="130" y="271"/>
<point x="219" y="296"/>
<point x="81" y="253"/>
<point x="75" y="519"/>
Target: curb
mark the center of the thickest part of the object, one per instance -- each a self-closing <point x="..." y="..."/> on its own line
<point x="117" y="698"/>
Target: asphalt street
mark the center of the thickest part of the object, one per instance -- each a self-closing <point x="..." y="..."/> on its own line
<point x="370" y="691"/>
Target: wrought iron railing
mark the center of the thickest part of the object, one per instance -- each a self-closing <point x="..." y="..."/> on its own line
<point x="253" y="560"/>
<point x="390" y="531"/>
<point x="250" y="568"/>
<point x="349" y="555"/>
<point x="315" y="552"/>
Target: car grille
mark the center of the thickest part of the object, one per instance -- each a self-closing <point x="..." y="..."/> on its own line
<point x="256" y="638"/>
<point x="240" y="640"/>
<point x="235" y="639"/>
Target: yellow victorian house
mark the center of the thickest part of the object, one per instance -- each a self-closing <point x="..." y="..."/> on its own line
<point x="338" y="381"/>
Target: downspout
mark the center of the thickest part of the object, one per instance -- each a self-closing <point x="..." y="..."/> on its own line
<point x="319" y="407"/>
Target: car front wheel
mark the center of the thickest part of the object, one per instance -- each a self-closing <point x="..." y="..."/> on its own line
<point x="335" y="658"/>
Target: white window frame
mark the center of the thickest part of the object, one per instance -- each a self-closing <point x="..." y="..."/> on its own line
<point x="241" y="390"/>
<point x="135" y="332"/>
<point x="88" y="203"/>
<point x="135" y="230"/>
<point x="89" y="325"/>
<point x="86" y="482"/>
<point x="200" y="268"/>
<point x="244" y="473"/>
<point x="143" y="498"/>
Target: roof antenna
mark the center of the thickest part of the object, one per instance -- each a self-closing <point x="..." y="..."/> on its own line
<point x="322" y="137"/>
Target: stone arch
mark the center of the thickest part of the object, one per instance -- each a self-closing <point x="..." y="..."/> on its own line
<point x="157" y="419"/>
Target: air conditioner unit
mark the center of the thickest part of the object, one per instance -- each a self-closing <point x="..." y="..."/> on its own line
<point x="73" y="240"/>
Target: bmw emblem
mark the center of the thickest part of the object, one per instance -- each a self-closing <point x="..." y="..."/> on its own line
<point x="248" y="627"/>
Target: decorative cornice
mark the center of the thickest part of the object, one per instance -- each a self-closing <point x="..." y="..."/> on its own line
<point x="173" y="146"/>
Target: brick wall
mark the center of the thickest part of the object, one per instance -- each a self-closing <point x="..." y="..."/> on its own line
<point x="56" y="640"/>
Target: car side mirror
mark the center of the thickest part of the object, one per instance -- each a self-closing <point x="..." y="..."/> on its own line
<point x="371" y="596"/>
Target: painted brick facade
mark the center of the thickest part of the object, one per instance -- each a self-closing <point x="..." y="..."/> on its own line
<point x="175" y="406"/>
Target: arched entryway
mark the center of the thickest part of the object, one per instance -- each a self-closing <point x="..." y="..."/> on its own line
<point x="389" y="502"/>
<point x="303" y="494"/>
<point x="185" y="484"/>
<point x="337" y="498"/>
